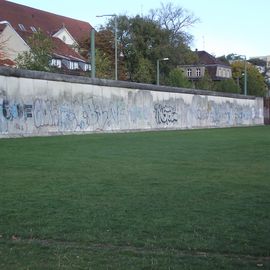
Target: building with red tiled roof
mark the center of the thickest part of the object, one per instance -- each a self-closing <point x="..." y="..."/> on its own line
<point x="19" y="22"/>
<point x="23" y="17"/>
<point x="206" y="62"/>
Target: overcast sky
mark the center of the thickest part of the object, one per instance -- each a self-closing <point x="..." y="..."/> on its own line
<point x="226" y="26"/>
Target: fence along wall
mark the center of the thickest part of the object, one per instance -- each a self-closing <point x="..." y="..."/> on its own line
<point x="35" y="103"/>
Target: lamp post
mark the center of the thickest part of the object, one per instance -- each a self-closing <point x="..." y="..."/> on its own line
<point x="245" y="72"/>
<point x="115" y="41"/>
<point x="163" y="59"/>
<point x="93" y="55"/>
<point x="245" y="81"/>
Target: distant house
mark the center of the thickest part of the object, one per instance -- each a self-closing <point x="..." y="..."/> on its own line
<point x="262" y="63"/>
<point x="19" y="22"/>
<point x="216" y="69"/>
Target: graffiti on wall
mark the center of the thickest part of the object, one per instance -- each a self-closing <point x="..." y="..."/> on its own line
<point x="45" y="112"/>
<point x="227" y="113"/>
<point x="74" y="115"/>
<point x="14" y="110"/>
<point x="89" y="112"/>
<point x="165" y="114"/>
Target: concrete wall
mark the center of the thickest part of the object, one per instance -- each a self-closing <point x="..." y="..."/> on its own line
<point x="36" y="103"/>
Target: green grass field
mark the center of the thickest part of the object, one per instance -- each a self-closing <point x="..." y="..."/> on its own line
<point x="197" y="199"/>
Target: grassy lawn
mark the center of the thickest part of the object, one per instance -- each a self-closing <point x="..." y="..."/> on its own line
<point x="197" y="199"/>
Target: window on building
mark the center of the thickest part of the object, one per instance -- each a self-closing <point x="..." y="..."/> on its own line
<point x="22" y="27"/>
<point x="221" y="72"/>
<point x="84" y="66"/>
<point x="34" y="30"/>
<point x="89" y="67"/>
<point x="56" y="63"/>
<point x="189" y="72"/>
<point x="198" y="72"/>
<point x="73" y="65"/>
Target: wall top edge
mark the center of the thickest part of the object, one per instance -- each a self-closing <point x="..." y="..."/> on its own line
<point x="40" y="75"/>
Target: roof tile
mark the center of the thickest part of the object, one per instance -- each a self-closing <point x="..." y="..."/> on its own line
<point x="60" y="48"/>
<point x="17" y="14"/>
<point x="208" y="59"/>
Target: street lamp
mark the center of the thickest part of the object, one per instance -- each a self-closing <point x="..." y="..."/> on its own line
<point x="115" y="40"/>
<point x="245" y="72"/>
<point x="93" y="54"/>
<point x="245" y="82"/>
<point x="163" y="59"/>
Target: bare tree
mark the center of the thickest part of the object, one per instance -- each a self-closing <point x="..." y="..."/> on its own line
<point x="175" y="19"/>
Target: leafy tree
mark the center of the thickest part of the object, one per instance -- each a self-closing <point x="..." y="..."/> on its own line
<point x="142" y="37"/>
<point x="39" y="56"/>
<point x="144" y="71"/>
<point x="255" y="81"/>
<point x="205" y="82"/>
<point x="178" y="79"/>
<point x="105" y="54"/>
<point x="263" y="68"/>
<point x="228" y="86"/>
<point x="103" y="65"/>
<point x="144" y="40"/>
